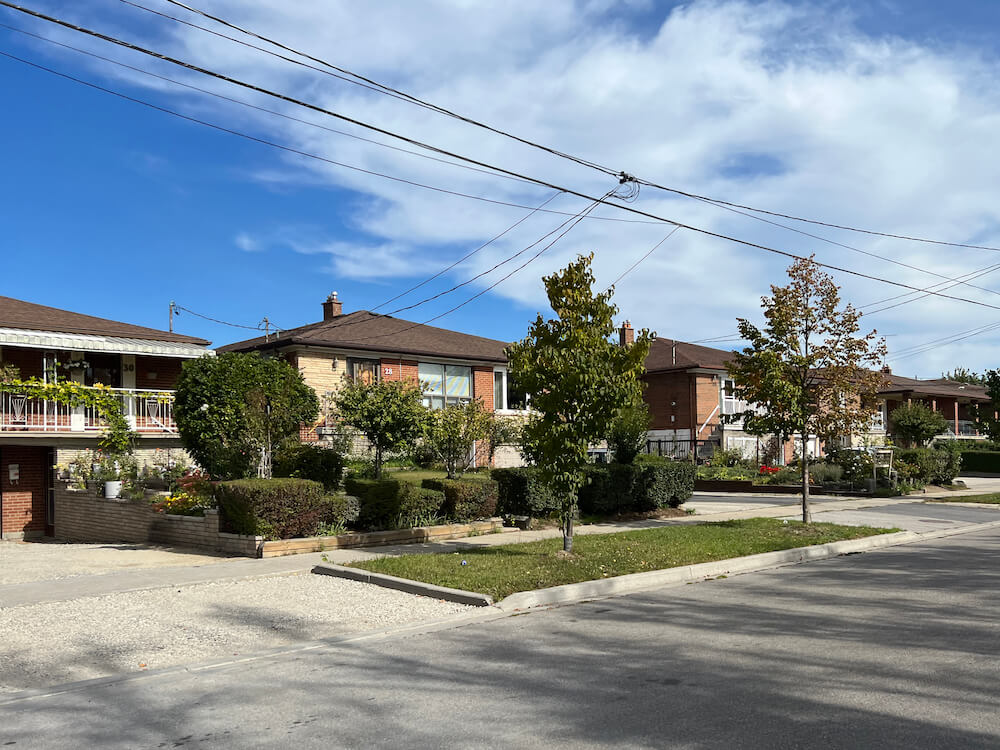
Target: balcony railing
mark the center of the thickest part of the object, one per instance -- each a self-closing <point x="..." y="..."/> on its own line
<point x="147" y="413"/>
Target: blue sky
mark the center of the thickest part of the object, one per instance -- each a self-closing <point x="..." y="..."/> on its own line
<point x="879" y="115"/>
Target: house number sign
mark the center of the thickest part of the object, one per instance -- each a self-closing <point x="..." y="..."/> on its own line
<point x="387" y="371"/>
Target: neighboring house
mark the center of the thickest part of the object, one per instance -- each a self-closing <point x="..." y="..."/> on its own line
<point x="140" y="364"/>
<point x="951" y="398"/>
<point x="451" y="367"/>
<point x="689" y="392"/>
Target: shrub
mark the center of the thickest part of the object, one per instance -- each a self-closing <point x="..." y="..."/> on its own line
<point x="389" y="504"/>
<point x="984" y="461"/>
<point x="183" y="504"/>
<point x="730" y="457"/>
<point x="520" y="492"/>
<point x="857" y="465"/>
<point x="949" y="461"/>
<point x="466" y="500"/>
<point x="303" y="461"/>
<point x="275" y="508"/>
<point x="916" y="423"/>
<point x="939" y="465"/>
<point x="725" y="472"/>
<point x="822" y="473"/>
<point x="423" y="455"/>
<point x="618" y="488"/>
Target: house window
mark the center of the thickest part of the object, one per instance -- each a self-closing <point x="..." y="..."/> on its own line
<point x="363" y="370"/>
<point x="506" y="394"/>
<point x="444" y="384"/>
<point x="730" y="404"/>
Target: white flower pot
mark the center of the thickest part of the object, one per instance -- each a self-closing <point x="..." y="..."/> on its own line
<point x="112" y="489"/>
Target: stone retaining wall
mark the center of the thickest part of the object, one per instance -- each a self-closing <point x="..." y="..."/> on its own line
<point x="83" y="516"/>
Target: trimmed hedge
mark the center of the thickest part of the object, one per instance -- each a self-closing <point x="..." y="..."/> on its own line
<point x="630" y="488"/>
<point x="520" y="492"/>
<point x="390" y="504"/>
<point x="278" y="508"/>
<point x="304" y="461"/>
<point x="464" y="499"/>
<point x="987" y="462"/>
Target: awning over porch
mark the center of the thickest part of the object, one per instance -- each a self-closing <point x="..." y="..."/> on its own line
<point x="93" y="343"/>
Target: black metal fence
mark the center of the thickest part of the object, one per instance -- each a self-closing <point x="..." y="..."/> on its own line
<point x="682" y="449"/>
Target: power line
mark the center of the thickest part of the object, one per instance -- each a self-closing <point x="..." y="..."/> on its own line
<point x="622" y="176"/>
<point x="372" y="84"/>
<point x="257" y="327"/>
<point x="635" y="265"/>
<point x="363" y="81"/>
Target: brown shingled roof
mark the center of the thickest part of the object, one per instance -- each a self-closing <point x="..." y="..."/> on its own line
<point x="15" y="313"/>
<point x="935" y="387"/>
<point x="366" y="331"/>
<point x="668" y="354"/>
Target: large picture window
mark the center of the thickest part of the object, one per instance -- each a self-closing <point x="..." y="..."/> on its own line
<point x="444" y="384"/>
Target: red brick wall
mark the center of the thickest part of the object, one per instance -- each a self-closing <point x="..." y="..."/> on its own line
<point x="706" y="405"/>
<point x="482" y="386"/>
<point x="23" y="503"/>
<point x="165" y="369"/>
<point x="669" y="394"/>
<point x="28" y="361"/>
<point x="401" y="370"/>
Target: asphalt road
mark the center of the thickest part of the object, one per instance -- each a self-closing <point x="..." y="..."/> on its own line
<point x="894" y="648"/>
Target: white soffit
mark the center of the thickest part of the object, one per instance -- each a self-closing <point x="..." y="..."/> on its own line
<point x="90" y="343"/>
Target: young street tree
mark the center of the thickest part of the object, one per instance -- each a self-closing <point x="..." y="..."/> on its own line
<point x="808" y="372"/>
<point x="389" y="413"/>
<point x="452" y="432"/>
<point x="578" y="380"/>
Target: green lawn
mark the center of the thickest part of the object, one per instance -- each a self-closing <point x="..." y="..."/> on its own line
<point x="993" y="499"/>
<point x="503" y="570"/>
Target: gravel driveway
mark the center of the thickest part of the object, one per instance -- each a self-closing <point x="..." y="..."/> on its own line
<point x="58" y="642"/>
<point x="22" y="562"/>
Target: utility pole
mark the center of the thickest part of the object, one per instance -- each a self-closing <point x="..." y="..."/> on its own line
<point x="267" y="328"/>
<point x="173" y="305"/>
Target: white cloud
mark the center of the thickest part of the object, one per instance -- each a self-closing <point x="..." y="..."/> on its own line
<point x="875" y="132"/>
<point x="247" y="243"/>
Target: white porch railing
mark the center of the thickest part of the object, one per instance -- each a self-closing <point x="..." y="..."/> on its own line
<point x="147" y="413"/>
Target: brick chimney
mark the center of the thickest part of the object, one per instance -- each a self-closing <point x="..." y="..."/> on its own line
<point x="626" y="334"/>
<point x="333" y="307"/>
<point x="886" y="370"/>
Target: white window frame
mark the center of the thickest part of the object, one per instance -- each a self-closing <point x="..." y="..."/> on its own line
<point x="435" y="400"/>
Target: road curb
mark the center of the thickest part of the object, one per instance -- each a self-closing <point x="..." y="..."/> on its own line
<point x="404" y="584"/>
<point x="576" y="592"/>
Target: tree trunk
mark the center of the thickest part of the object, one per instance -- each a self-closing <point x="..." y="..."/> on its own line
<point x="806" y="512"/>
<point x="568" y="532"/>
<point x="378" y="462"/>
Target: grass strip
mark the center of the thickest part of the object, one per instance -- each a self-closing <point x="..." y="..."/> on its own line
<point x="992" y="499"/>
<point x="506" y="569"/>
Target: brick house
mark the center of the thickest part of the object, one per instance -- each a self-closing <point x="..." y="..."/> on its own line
<point x="689" y="391"/>
<point x="450" y="366"/>
<point x="56" y="345"/>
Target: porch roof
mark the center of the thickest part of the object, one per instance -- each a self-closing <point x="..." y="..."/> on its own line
<point x="94" y="343"/>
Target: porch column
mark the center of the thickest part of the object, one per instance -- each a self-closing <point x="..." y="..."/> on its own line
<point x="78" y="415"/>
<point x="956" y="417"/>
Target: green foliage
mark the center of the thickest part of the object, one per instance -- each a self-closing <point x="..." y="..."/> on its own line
<point x="275" y="508"/>
<point x="389" y="504"/>
<point x="987" y="462"/>
<point x="452" y="431"/>
<point x="503" y="431"/>
<point x="231" y="407"/>
<point x="423" y="456"/>
<point x="632" y="488"/>
<point x="949" y="462"/>
<point x="937" y="465"/>
<point x="305" y="461"/>
<point x="984" y="414"/>
<point x="731" y="457"/>
<point x="809" y="371"/>
<point x="468" y="500"/>
<point x="915" y="423"/>
<point x="390" y="413"/>
<point x="857" y="466"/>
<point x="825" y="473"/>
<point x="963" y="375"/>
<point x="725" y="472"/>
<point x="627" y="434"/>
<point x="578" y="378"/>
<point x="521" y="492"/>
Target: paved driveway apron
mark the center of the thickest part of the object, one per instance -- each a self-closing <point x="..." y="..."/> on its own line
<point x="912" y="516"/>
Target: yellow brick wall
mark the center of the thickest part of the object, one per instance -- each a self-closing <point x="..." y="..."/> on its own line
<point x="322" y="374"/>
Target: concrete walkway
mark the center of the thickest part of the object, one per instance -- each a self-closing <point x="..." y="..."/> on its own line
<point x="867" y="511"/>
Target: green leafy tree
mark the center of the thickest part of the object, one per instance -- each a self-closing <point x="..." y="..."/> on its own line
<point x="627" y="434"/>
<point x="985" y="414"/>
<point x="916" y="423"/>
<point x="230" y="409"/>
<point x="453" y="431"/>
<point x="807" y="372"/>
<point x="503" y="431"/>
<point x="390" y="413"/>
<point x="578" y="378"/>
<point x="962" y="375"/>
